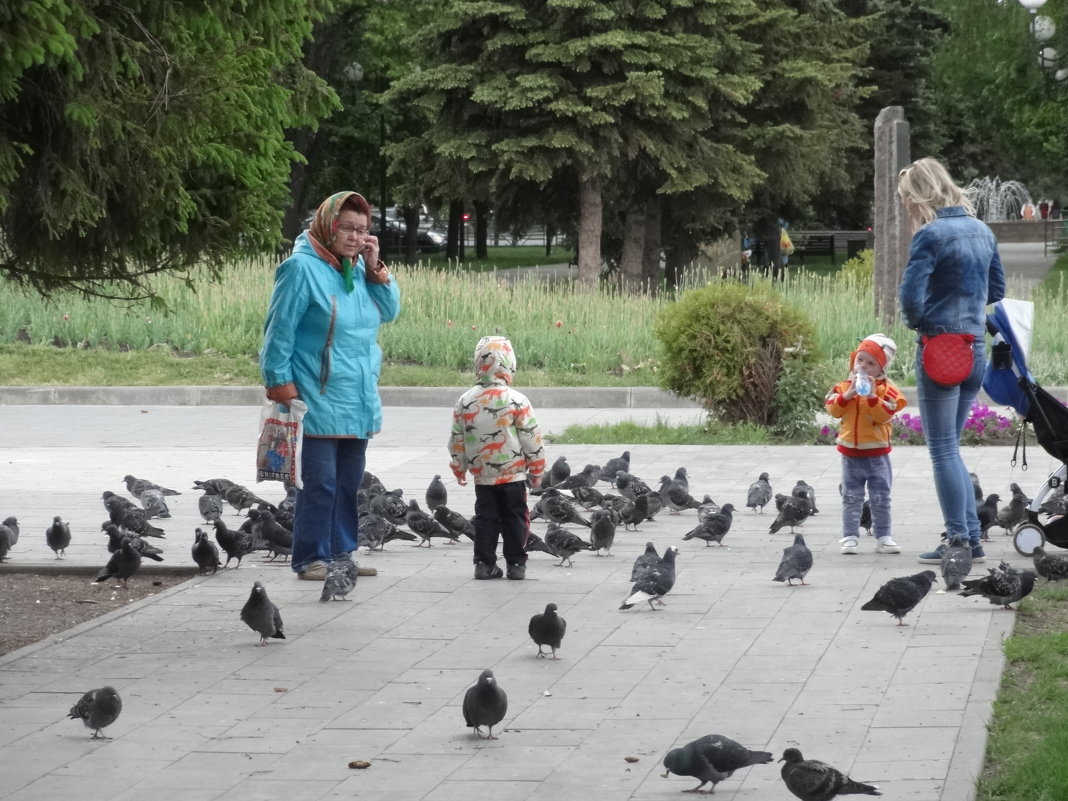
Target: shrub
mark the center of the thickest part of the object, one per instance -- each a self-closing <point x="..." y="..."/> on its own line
<point x="860" y="268"/>
<point x="724" y="345"/>
<point x="984" y="426"/>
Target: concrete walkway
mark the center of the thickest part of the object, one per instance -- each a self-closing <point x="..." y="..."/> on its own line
<point x="207" y="715"/>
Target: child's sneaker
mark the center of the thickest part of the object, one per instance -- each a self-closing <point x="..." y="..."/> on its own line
<point x="484" y="571"/>
<point x="978" y="555"/>
<point x="887" y="545"/>
<point x="849" y="545"/>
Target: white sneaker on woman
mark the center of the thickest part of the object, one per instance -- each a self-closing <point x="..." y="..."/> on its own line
<point x="849" y="545"/>
<point x="887" y="545"/>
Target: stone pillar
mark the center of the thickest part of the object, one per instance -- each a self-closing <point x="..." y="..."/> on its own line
<point x="893" y="233"/>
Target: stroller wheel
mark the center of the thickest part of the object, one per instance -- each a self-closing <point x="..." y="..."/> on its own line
<point x="1027" y="537"/>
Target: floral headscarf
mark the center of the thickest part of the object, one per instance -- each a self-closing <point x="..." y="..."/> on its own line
<point x="323" y="231"/>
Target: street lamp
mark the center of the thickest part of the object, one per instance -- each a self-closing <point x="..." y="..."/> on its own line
<point x="1043" y="29"/>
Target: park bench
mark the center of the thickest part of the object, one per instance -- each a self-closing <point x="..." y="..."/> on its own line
<point x="814" y="245"/>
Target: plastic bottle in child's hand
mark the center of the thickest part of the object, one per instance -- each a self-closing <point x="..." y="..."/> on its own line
<point x="862" y="383"/>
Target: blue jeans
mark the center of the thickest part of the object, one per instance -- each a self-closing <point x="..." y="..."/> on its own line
<point x="326" y="514"/>
<point x="877" y="474"/>
<point x="943" y="413"/>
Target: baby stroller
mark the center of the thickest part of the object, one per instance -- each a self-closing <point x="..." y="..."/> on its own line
<point x="1008" y="381"/>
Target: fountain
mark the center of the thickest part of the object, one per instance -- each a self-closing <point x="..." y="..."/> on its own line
<point x="996" y="200"/>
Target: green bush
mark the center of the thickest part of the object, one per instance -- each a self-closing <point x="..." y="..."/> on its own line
<point x="728" y="346"/>
<point x="860" y="268"/>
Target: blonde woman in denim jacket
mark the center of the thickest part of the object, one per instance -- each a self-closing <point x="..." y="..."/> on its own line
<point x="953" y="273"/>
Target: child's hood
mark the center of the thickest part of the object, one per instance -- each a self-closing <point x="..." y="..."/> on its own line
<point x="494" y="361"/>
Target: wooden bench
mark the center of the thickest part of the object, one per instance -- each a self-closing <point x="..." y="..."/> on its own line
<point x="814" y="245"/>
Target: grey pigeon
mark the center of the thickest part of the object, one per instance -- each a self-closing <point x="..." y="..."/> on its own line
<point x="262" y="616"/>
<point x="712" y="758"/>
<point x="236" y="544"/>
<point x="602" y="531"/>
<point x="535" y="543"/>
<point x="436" y="494"/>
<point x="6" y="535"/>
<point x="564" y="544"/>
<point x="654" y="584"/>
<point x="136" y="486"/>
<point x="57" y="536"/>
<point x="714" y="527"/>
<point x="559" y="471"/>
<point x="153" y="504"/>
<point x="390" y="505"/>
<point x="956" y="562"/>
<point x="645" y="562"/>
<point x="456" y="523"/>
<point x="425" y="526"/>
<point x="759" y="494"/>
<point x="812" y="780"/>
<point x="340" y="579"/>
<point x="547" y="628"/>
<point x="587" y="497"/>
<point x="1050" y="566"/>
<point x="376" y="531"/>
<point x="1014" y="512"/>
<point x="793" y="511"/>
<point x="12" y="525"/>
<point x="122" y="564"/>
<point x="803" y="488"/>
<point x="795" y="563"/>
<point x="241" y="498"/>
<point x="584" y="479"/>
<point x="277" y="539"/>
<point x="707" y="508"/>
<point x="683" y="477"/>
<point x="1054" y="503"/>
<point x="210" y="506"/>
<point x="372" y="483"/>
<point x="205" y="553"/>
<point x="1004" y="586"/>
<point x="135" y="519"/>
<point x="630" y="485"/>
<point x="560" y="509"/>
<point x="987" y="512"/>
<point x="630" y="514"/>
<point x="116" y="536"/>
<point x="676" y="495"/>
<point x="648" y="504"/>
<point x="899" y="596"/>
<point x="114" y="503"/>
<point x="485" y="704"/>
<point x="615" y="465"/>
<point x="213" y="486"/>
<point x="978" y="490"/>
<point x="865" y="517"/>
<point x="97" y="709"/>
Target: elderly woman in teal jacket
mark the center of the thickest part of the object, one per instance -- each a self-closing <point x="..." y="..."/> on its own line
<point x="320" y="345"/>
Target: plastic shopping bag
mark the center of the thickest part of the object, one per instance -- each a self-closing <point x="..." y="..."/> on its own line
<point x="279" y="446"/>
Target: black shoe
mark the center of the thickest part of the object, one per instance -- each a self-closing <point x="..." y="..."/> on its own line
<point x="517" y="572"/>
<point x="484" y="571"/>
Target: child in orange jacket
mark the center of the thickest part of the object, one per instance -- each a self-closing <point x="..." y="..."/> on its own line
<point x="865" y="403"/>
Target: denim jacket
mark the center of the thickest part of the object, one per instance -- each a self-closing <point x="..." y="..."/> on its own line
<point x="953" y="273"/>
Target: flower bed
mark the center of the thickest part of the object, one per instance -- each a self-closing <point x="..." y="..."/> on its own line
<point x="984" y="426"/>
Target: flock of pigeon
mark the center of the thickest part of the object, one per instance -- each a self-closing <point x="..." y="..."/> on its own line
<point x="566" y="500"/>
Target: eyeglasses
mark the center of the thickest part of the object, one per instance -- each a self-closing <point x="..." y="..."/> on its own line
<point x="351" y="229"/>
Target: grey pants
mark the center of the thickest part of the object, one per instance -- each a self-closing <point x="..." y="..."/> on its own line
<point x="876" y="473"/>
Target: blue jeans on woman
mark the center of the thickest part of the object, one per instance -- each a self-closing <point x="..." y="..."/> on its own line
<point x="943" y="413"/>
<point x="325" y="520"/>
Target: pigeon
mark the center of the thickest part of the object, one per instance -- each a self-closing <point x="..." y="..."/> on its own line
<point x="899" y="596"/>
<point x="615" y="465"/>
<point x="1054" y="503"/>
<point x="1004" y="586"/>
<point x="340" y="579"/>
<point x="236" y="544"/>
<point x="536" y="543"/>
<point x="12" y="524"/>
<point x="372" y="483"/>
<point x="793" y="510"/>
<point x="456" y="523"/>
<point x="812" y="780"/>
<point x="683" y="477"/>
<point x="376" y="531"/>
<point x="586" y="478"/>
<point x="711" y="758"/>
<point x="547" y="628"/>
<point x="136" y="486"/>
<point x="436" y="494"/>
<point x="560" y="470"/>
<point x="261" y="615"/>
<point x="865" y="517"/>
<point x="587" y="497"/>
<point x="153" y="504"/>
<point x="976" y="488"/>
<point x="6" y="536"/>
<point x="987" y="511"/>
<point x="1014" y="512"/>
<point x="205" y="554"/>
<point x="57" y="536"/>
<point x="390" y="505"/>
<point x="276" y="538"/>
<point x="654" y="584"/>
<point x="1050" y="566"/>
<point x="707" y="508"/>
<point x="630" y="485"/>
<point x="97" y="709"/>
<point x="425" y="526"/>
<point x="242" y="498"/>
<point x="210" y="506"/>
<point x="213" y="486"/>
<point x="676" y="495"/>
<point x="116" y="536"/>
<point x="602" y="531"/>
<point x="135" y="519"/>
<point x="714" y="528"/>
<point x="485" y="704"/>
<point x="122" y="564"/>
<point x="115" y="503"/>
<point x="559" y="509"/>
<point x="805" y="489"/>
<point x="564" y="544"/>
<point x="645" y="562"/>
<point x="631" y="515"/>
<point x="648" y="504"/>
<point x="795" y="563"/>
<point x="1014" y="488"/>
<point x="759" y="494"/>
<point x="956" y="562"/>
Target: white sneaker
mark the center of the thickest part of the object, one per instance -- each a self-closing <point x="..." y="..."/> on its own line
<point x="887" y="545"/>
<point x="849" y="545"/>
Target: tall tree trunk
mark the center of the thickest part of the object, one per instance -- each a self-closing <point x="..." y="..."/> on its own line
<point x="653" y="244"/>
<point x="481" y="228"/>
<point x="411" y="226"/>
<point x="677" y="258"/>
<point x="631" y="274"/>
<point x="591" y="219"/>
<point x="453" y="248"/>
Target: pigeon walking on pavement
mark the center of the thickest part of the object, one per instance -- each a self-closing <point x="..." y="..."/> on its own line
<point x="485" y="704"/>
<point x="564" y="544"/>
<point x="425" y="526"/>
<point x="899" y="596"/>
<point x="210" y="506"/>
<point x="456" y="523"/>
<point x="205" y="553"/>
<point x="1014" y="512"/>
<point x="376" y="531"/>
<point x="97" y="709"/>
<point x="793" y="511"/>
<point x="136" y="486"/>
<point x="5" y="541"/>
<point x="559" y="471"/>
<point x="12" y="525"/>
<point x="654" y="584"/>
<point x="262" y="616"/>
<point x="711" y="758"/>
<point x="602" y="531"/>
<point x="390" y="505"/>
<point x="1051" y="566"/>
<point x="547" y="628"/>
<point x="340" y="579"/>
<point x="645" y="562"/>
<point x="117" y="536"/>
<point x="714" y="527"/>
<point x="987" y="511"/>
<point x="812" y="780"/>
<point x="759" y="494"/>
<point x="153" y="503"/>
<point x="956" y="562"/>
<point x="122" y="564"/>
<point x="676" y="495"/>
<point x="804" y="489"/>
<point x="614" y="465"/>
<point x="57" y="536"/>
<point x="237" y="544"/>
<point x="1003" y="586"/>
<point x="795" y="563"/>
<point x="436" y="494"/>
